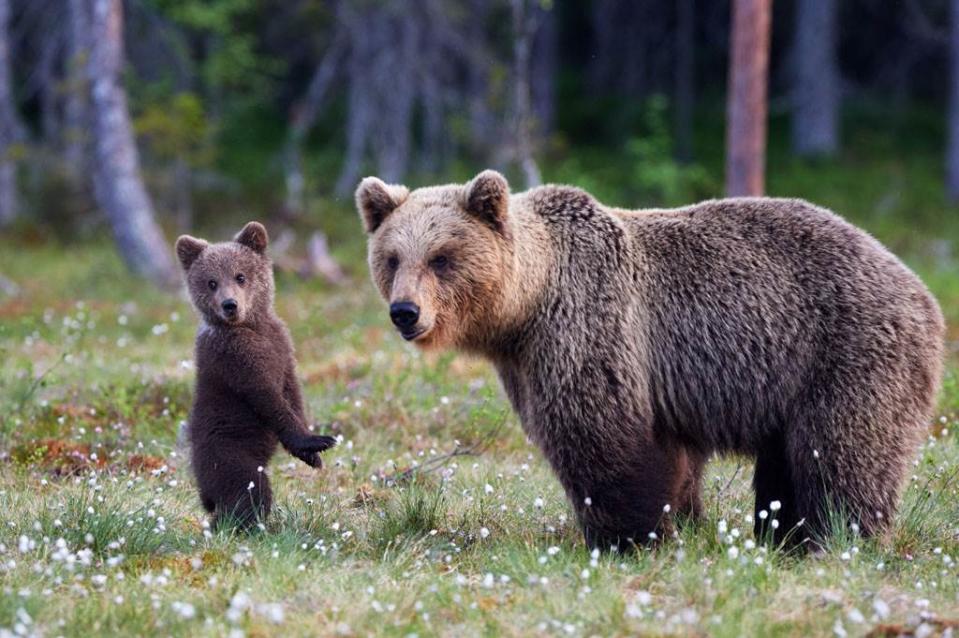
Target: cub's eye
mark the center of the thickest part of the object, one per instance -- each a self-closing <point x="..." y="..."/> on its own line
<point x="212" y="284"/>
<point x="240" y="279"/>
<point x="439" y="262"/>
<point x="393" y="262"/>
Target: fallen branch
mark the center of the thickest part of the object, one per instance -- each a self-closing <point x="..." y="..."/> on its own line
<point x="317" y="263"/>
<point x="438" y="462"/>
<point x="9" y="287"/>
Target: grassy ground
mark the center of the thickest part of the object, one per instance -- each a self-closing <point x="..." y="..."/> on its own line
<point x="101" y="531"/>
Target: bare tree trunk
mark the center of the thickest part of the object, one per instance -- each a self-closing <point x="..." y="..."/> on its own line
<point x="952" y="158"/>
<point x="46" y="81"/>
<point x="10" y="127"/>
<point x="685" y="78"/>
<point x="524" y="30"/>
<point x="746" y="111"/>
<point x="75" y="107"/>
<point x="117" y="183"/>
<point x="480" y="115"/>
<point x="392" y="141"/>
<point x="360" y="109"/>
<point x="303" y="117"/>
<point x="815" y="96"/>
<point x="543" y="81"/>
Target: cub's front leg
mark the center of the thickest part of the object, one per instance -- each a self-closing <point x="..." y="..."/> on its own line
<point x="302" y="443"/>
<point x="265" y="391"/>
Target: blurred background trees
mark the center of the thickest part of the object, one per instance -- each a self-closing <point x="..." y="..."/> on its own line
<point x="144" y="115"/>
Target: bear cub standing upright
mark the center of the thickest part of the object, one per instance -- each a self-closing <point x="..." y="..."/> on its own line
<point x="247" y="396"/>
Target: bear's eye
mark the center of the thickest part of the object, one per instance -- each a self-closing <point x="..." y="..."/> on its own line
<point x="240" y="279"/>
<point x="212" y="284"/>
<point x="440" y="262"/>
<point x="393" y="262"/>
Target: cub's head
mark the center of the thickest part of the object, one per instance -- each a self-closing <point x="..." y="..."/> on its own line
<point x="439" y="256"/>
<point x="230" y="283"/>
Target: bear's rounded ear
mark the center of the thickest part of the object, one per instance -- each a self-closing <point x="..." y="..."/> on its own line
<point x="254" y="237"/>
<point x="375" y="200"/>
<point x="487" y="197"/>
<point x="188" y="249"/>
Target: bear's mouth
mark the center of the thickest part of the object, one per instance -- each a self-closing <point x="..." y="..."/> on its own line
<point x="412" y="335"/>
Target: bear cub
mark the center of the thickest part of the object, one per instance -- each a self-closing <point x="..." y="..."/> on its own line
<point x="247" y="395"/>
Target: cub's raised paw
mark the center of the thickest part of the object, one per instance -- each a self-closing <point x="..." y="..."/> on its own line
<point x="308" y="449"/>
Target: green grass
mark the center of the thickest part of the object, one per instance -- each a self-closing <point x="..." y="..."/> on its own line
<point x="101" y="531"/>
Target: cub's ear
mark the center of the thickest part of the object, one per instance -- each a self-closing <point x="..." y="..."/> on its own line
<point x="254" y="237"/>
<point x="375" y="200"/>
<point x="188" y="249"/>
<point x="487" y="197"/>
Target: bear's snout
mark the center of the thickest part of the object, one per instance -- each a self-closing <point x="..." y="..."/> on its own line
<point x="229" y="307"/>
<point x="404" y="315"/>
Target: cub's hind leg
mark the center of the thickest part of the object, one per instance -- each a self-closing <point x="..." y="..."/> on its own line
<point x="233" y="487"/>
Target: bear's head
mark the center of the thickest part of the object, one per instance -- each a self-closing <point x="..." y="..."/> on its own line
<point x="440" y="256"/>
<point x="230" y="283"/>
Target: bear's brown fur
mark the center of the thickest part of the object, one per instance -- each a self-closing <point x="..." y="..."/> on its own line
<point x="634" y="344"/>
<point x="247" y="394"/>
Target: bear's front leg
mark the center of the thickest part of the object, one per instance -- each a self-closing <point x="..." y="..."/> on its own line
<point x="624" y="496"/>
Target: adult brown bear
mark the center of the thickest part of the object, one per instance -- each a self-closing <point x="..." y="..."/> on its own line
<point x="634" y="344"/>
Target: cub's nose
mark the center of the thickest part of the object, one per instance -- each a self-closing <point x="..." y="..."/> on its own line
<point x="404" y="314"/>
<point x="229" y="306"/>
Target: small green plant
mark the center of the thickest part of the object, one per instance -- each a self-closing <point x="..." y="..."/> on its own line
<point x="656" y="175"/>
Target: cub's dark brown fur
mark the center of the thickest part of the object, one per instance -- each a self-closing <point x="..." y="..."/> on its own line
<point x="247" y="394"/>
<point x="634" y="344"/>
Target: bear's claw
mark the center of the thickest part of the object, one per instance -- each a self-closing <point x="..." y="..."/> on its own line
<point x="308" y="449"/>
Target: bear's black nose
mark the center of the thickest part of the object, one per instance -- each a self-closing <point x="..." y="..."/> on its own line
<point x="229" y="306"/>
<point x="404" y="314"/>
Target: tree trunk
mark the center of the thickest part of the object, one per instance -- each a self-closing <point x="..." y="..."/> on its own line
<point x="746" y="110"/>
<point x="543" y="72"/>
<point x="481" y="121"/>
<point x="75" y="106"/>
<point x="685" y="78"/>
<point x="815" y="97"/>
<point x="524" y="30"/>
<point x="10" y="127"/>
<point x="303" y="117"/>
<point x="952" y="159"/>
<point x="117" y="183"/>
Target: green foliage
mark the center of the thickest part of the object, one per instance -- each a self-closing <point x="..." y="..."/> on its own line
<point x="176" y="127"/>
<point x="656" y="176"/>
<point x="232" y="70"/>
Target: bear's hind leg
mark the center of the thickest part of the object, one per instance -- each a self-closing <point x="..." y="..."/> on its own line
<point x="244" y="503"/>
<point x="689" y="502"/>
<point x="849" y="456"/>
<point x="232" y="487"/>
<point x="776" y="518"/>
